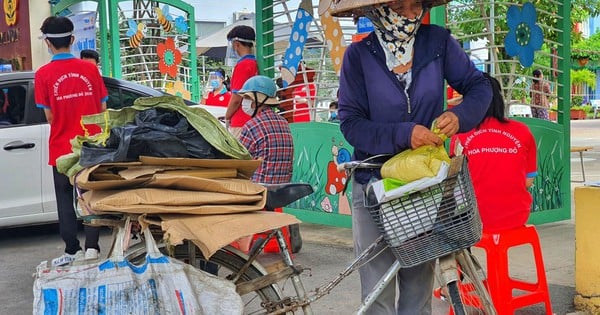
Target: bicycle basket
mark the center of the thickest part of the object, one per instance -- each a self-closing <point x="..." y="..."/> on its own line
<point x="432" y="222"/>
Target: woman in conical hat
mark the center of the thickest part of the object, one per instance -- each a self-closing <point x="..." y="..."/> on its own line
<point x="392" y="86"/>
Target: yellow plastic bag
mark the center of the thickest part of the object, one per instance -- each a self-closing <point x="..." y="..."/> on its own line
<point x="411" y="165"/>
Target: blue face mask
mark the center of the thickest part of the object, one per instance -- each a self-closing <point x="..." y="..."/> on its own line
<point x="214" y="83"/>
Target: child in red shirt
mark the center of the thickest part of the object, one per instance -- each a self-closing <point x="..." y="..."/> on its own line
<point x="502" y="162"/>
<point x="218" y="94"/>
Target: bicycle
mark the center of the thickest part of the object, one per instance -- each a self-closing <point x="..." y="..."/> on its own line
<point x="449" y="208"/>
<point x="454" y="227"/>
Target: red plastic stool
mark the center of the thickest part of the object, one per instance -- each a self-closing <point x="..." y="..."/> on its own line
<point x="499" y="282"/>
<point x="272" y="245"/>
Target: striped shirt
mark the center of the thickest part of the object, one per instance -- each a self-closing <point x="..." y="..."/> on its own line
<point x="267" y="136"/>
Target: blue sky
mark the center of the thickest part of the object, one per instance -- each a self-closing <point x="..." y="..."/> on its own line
<point x="222" y="10"/>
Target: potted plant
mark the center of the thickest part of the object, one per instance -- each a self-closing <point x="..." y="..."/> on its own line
<point x="578" y="78"/>
<point x="589" y="110"/>
<point x="581" y="56"/>
<point x="583" y="76"/>
<point x="586" y="49"/>
<point x="578" y="112"/>
<point x="553" y="112"/>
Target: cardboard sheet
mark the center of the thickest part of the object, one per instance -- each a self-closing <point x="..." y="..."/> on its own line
<point x="211" y="232"/>
<point x="154" y="200"/>
<point x="138" y="174"/>
<point x="244" y="167"/>
<point x="170" y="185"/>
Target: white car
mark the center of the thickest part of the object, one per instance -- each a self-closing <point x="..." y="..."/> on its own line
<point x="27" y="188"/>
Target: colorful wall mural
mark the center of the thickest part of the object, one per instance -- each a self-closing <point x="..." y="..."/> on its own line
<point x="319" y="148"/>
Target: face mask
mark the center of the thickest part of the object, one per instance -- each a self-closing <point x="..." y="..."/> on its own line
<point x="214" y="84"/>
<point x="50" y="51"/>
<point x="247" y="106"/>
<point x="396" y="32"/>
<point x="394" y="26"/>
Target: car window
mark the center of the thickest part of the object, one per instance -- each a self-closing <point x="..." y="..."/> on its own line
<point x="119" y="97"/>
<point x="114" y="98"/>
<point x="13" y="98"/>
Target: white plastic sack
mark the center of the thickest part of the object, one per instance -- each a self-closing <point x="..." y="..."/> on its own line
<point x="161" y="285"/>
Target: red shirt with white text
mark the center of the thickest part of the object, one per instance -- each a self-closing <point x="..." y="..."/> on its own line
<point x="501" y="156"/>
<point x="70" y="88"/>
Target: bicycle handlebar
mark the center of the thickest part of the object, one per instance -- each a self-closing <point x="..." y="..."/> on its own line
<point x="352" y="165"/>
<point x="357" y="164"/>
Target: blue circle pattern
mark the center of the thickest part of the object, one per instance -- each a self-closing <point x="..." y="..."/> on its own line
<point x="293" y="53"/>
<point x="343" y="156"/>
<point x="524" y="35"/>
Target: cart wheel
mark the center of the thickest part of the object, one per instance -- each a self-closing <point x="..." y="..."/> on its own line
<point x="295" y="238"/>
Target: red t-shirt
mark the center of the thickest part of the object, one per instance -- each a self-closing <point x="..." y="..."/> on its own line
<point x="70" y="88"/>
<point x="501" y="156"/>
<point x="218" y="99"/>
<point x="245" y="68"/>
<point x="301" y="112"/>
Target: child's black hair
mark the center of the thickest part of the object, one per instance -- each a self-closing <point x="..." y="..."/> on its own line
<point x="90" y="54"/>
<point x="243" y="32"/>
<point x="496" y="109"/>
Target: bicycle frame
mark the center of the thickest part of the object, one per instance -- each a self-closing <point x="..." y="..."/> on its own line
<point x="448" y="273"/>
<point x="305" y="301"/>
<point x="448" y="265"/>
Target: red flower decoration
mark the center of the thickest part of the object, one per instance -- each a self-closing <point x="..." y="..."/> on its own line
<point x="169" y="57"/>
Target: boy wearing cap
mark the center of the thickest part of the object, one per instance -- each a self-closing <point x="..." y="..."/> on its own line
<point x="68" y="88"/>
<point x="241" y="39"/>
<point x="266" y="135"/>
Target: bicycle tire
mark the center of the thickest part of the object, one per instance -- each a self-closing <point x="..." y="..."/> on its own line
<point x="269" y="296"/>
<point x="455" y="299"/>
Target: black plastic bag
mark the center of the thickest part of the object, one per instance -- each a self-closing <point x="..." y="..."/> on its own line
<point x="155" y="132"/>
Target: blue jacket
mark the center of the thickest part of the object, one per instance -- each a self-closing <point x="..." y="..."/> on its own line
<point x="376" y="114"/>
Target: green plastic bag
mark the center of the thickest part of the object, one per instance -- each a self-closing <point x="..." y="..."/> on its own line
<point x="411" y="165"/>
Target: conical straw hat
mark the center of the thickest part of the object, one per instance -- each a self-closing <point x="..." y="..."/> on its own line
<point x="356" y="7"/>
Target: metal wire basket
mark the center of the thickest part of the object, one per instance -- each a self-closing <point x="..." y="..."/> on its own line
<point x="432" y="222"/>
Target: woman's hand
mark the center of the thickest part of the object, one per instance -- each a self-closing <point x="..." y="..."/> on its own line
<point x="423" y="136"/>
<point x="448" y="124"/>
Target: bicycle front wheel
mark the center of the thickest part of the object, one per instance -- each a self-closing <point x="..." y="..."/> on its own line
<point x="224" y="263"/>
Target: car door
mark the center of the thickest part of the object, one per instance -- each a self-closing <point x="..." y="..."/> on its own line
<point x="22" y="152"/>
